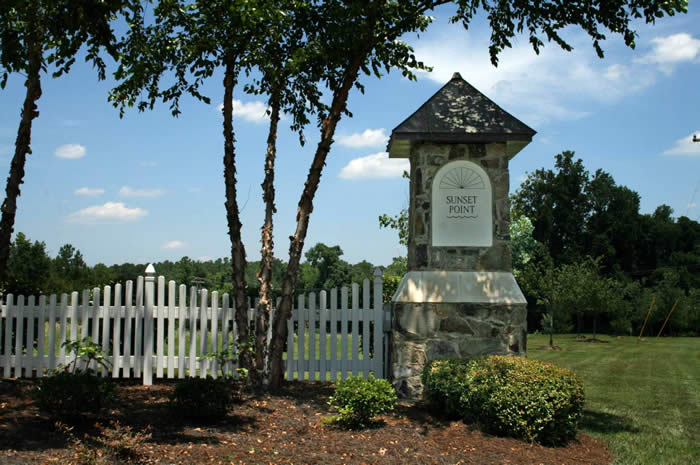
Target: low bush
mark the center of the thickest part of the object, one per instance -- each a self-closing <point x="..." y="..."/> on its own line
<point x="203" y="399"/>
<point x="390" y="284"/>
<point x="359" y="400"/>
<point x="67" y="395"/>
<point x="509" y="396"/>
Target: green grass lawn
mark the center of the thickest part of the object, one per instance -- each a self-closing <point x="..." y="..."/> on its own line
<point x="642" y="398"/>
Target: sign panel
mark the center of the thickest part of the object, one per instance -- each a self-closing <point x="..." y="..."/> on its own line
<point x="462" y="206"/>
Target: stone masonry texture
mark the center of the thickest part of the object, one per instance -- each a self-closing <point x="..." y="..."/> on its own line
<point x="429" y="331"/>
<point x="426" y="160"/>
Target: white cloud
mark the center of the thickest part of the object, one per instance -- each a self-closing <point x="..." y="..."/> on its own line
<point x="685" y="146"/>
<point x="554" y="85"/>
<point x="204" y="258"/>
<point x="255" y="111"/>
<point x="89" y="191"/>
<point x="110" y="212"/>
<point x="671" y="50"/>
<point x="368" y="138"/>
<point x="377" y="165"/>
<point x="692" y="205"/>
<point x="127" y="191"/>
<point x="70" y="151"/>
<point x="175" y="245"/>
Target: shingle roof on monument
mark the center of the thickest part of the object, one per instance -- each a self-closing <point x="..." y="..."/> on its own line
<point x="458" y="113"/>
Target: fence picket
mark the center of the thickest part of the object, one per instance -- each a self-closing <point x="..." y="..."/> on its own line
<point x="203" y="365"/>
<point x="171" y="315"/>
<point x="322" y="312"/>
<point x="51" y="362"/>
<point x="378" y="326"/>
<point x="334" y="334"/>
<point x="344" y="312"/>
<point x="193" y="332"/>
<point x="95" y="316"/>
<point x="301" y="325"/>
<point x="73" y="328"/>
<point x="366" y="318"/>
<point x="182" y="308"/>
<point x="83" y="316"/>
<point x="214" y="331"/>
<point x="355" y="328"/>
<point x="160" y="326"/>
<point x="29" y="358"/>
<point x="105" y="322"/>
<point x="290" y="347"/>
<point x="138" y="325"/>
<point x="225" y="316"/>
<point x="312" y="336"/>
<point x="41" y="330"/>
<point x="148" y="323"/>
<point x="7" y="364"/>
<point x="116" y="330"/>
<point x="128" y="319"/>
<point x="63" y="328"/>
<point x="19" y="316"/>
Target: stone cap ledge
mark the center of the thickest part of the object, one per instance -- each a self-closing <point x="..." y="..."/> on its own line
<point x="459" y="287"/>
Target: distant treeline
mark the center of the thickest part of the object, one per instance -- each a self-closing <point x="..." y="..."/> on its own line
<point x="583" y="254"/>
<point x="589" y="260"/>
<point x="33" y="272"/>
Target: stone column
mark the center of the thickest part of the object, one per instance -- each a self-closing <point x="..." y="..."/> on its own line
<point x="456" y="300"/>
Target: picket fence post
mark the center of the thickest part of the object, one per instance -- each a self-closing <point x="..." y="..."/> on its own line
<point x="378" y="324"/>
<point x="148" y="325"/>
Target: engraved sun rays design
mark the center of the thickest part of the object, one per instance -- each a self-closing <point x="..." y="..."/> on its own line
<point x="462" y="178"/>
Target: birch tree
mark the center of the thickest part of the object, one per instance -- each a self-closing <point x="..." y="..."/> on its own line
<point x="42" y="36"/>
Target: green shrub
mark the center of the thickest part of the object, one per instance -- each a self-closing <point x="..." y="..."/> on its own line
<point x="390" y="284"/>
<point x="359" y="400"/>
<point x="509" y="396"/>
<point x="444" y="382"/>
<point x="69" y="395"/>
<point x="202" y="399"/>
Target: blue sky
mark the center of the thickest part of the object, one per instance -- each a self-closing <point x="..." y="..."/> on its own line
<point x="149" y="187"/>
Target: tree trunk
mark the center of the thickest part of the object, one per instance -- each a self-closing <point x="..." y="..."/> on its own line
<point x="595" y="324"/>
<point x="579" y="324"/>
<point x="238" y="259"/>
<point x="22" y="149"/>
<point x="264" y="308"/>
<point x="296" y="246"/>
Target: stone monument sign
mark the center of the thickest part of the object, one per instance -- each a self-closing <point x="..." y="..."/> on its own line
<point x="459" y="297"/>
<point x="462" y="202"/>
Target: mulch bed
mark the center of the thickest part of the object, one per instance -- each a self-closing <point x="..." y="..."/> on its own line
<point x="286" y="428"/>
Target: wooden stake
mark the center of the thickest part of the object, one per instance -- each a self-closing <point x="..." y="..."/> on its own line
<point x="653" y="299"/>
<point x="669" y="316"/>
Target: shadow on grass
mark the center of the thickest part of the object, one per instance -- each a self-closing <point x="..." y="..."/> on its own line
<point x="601" y="422"/>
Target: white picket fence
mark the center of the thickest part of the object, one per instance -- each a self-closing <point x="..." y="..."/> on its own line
<point x="147" y="335"/>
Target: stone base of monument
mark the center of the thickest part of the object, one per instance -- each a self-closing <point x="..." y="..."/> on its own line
<point x="453" y="314"/>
